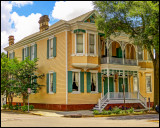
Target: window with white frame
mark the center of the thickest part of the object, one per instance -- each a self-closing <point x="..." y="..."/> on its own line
<point x="91" y="43"/>
<point x="148" y="83"/>
<point x="140" y="53"/>
<point x="79" y="43"/>
<point x="135" y="84"/>
<point x="50" y="82"/>
<point x="76" y="81"/>
<point x="25" y="52"/>
<point x="32" y="52"/>
<point x="51" y="47"/>
<point x="94" y="87"/>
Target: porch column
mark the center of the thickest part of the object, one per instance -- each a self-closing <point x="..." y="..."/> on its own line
<point x="136" y="54"/>
<point x="138" y="83"/>
<point x="107" y="51"/>
<point x="108" y="81"/>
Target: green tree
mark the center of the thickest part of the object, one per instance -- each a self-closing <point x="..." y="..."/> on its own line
<point x="138" y="19"/>
<point x="7" y="77"/>
<point x="26" y="77"/>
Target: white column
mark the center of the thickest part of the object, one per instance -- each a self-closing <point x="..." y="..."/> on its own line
<point x="108" y="81"/>
<point x="138" y="83"/>
<point x="107" y="51"/>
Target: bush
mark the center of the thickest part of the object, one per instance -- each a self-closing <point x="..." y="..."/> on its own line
<point x="109" y="112"/>
<point x="19" y="107"/>
<point x="96" y="112"/>
<point x="31" y="107"/>
<point x="24" y="108"/>
<point x="104" y="112"/>
<point x="116" y="110"/>
<point x="131" y="110"/>
<point x="15" y="107"/>
<point x="11" y="107"/>
<point x="5" y="106"/>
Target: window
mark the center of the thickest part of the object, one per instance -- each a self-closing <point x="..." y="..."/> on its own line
<point x="51" y="83"/>
<point x="148" y="83"/>
<point x="50" y="47"/>
<point x="94" y="82"/>
<point x="11" y="55"/>
<point x="149" y="58"/>
<point x="79" y="43"/>
<point x="76" y="81"/>
<point x="140" y="53"/>
<point x="91" y="43"/>
<point x="32" y="52"/>
<point x="135" y="84"/>
<point x="25" y="52"/>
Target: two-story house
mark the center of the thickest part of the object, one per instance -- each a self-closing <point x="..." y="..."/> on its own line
<point x="83" y="70"/>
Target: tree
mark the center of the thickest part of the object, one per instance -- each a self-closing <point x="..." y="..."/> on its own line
<point x="26" y="77"/>
<point x="138" y="19"/>
<point x="7" y="81"/>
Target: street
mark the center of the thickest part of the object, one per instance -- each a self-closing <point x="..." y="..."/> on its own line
<point x="11" y="119"/>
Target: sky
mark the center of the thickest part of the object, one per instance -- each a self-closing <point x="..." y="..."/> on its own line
<point x="20" y="18"/>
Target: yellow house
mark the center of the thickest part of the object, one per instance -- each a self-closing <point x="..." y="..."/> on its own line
<point x="83" y="69"/>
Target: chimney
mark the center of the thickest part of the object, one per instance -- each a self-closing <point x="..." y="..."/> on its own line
<point x="43" y="23"/>
<point x="11" y="40"/>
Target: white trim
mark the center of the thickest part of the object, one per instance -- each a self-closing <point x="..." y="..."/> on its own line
<point x="51" y="37"/>
<point x="76" y="70"/>
<point x="148" y="74"/>
<point x="50" y="72"/>
<point x="67" y="68"/>
<point x="95" y="43"/>
<point x="32" y="44"/>
<point x="93" y="71"/>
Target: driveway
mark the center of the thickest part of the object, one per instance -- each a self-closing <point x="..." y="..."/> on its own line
<point x="11" y="119"/>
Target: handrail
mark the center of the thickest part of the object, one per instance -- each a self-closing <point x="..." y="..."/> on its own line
<point x="143" y="99"/>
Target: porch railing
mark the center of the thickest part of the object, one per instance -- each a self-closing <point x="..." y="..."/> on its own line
<point x="143" y="100"/>
<point x="114" y="60"/>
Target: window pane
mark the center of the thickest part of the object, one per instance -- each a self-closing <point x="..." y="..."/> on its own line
<point x="79" y="43"/>
<point x="148" y="83"/>
<point x="91" y="43"/>
<point x="75" y="79"/>
<point x="51" y="82"/>
<point x="51" y="48"/>
<point x="93" y="81"/>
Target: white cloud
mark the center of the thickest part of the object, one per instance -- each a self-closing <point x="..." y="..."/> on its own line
<point x="67" y="10"/>
<point x="21" y="3"/>
<point x="23" y="26"/>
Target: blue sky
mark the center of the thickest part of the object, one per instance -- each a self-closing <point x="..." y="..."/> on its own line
<point x="20" y="18"/>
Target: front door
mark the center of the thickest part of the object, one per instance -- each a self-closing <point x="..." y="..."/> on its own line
<point x="120" y="84"/>
<point x="111" y="85"/>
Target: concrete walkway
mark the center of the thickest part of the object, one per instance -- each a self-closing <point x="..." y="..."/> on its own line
<point x="53" y="113"/>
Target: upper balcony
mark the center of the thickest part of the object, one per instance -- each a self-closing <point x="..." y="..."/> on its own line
<point x="118" y="53"/>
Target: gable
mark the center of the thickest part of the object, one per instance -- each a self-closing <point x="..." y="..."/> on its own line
<point x="91" y="18"/>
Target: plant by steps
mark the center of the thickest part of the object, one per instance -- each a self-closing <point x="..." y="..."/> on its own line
<point x="96" y="112"/>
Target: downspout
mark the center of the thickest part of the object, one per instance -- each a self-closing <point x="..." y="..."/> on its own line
<point x="66" y="69"/>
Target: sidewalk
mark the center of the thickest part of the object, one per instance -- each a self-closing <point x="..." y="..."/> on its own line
<point x="53" y="113"/>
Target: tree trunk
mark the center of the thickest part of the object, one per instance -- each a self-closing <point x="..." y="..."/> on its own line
<point x="24" y="99"/>
<point x="156" y="81"/>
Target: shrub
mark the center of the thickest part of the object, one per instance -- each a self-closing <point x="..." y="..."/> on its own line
<point x="11" y="107"/>
<point x="31" y="107"/>
<point x="131" y="110"/>
<point x="5" y="106"/>
<point x="109" y="112"/>
<point x="96" y="112"/>
<point x="24" y="108"/>
<point x="15" y="107"/>
<point x="116" y="110"/>
<point x="104" y="112"/>
<point x="19" y="107"/>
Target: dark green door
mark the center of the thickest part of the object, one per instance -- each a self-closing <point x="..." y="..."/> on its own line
<point x="111" y="87"/>
<point x="120" y="84"/>
<point x="105" y="85"/>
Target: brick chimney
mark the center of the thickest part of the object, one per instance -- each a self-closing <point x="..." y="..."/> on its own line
<point x="11" y="40"/>
<point x="43" y="23"/>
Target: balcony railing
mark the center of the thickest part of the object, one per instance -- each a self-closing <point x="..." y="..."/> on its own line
<point x="114" y="60"/>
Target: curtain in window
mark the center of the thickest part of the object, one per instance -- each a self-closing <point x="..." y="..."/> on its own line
<point x="93" y="82"/>
<point x="75" y="78"/>
<point x="79" y="43"/>
<point x="91" y="39"/>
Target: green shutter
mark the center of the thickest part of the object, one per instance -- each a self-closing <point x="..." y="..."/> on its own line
<point x="105" y="85"/>
<point x="35" y="51"/>
<point x="126" y="84"/>
<point x="69" y="81"/>
<point x="47" y="49"/>
<point x="88" y="82"/>
<point x="30" y="51"/>
<point x="13" y="54"/>
<point x="47" y="82"/>
<point x="99" y="83"/>
<point x="54" y="82"/>
<point x="120" y="84"/>
<point x="27" y="51"/>
<point x="22" y="54"/>
<point x="120" y="52"/>
<point x="82" y="81"/>
<point x="54" y="47"/>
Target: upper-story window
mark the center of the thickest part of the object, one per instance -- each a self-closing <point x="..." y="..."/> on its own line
<point x="32" y="52"/>
<point x="79" y="43"/>
<point x="148" y="55"/>
<point x="11" y="55"/>
<point x="50" y="47"/>
<point x="25" y="52"/>
<point x="140" y="53"/>
<point x="91" y="43"/>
